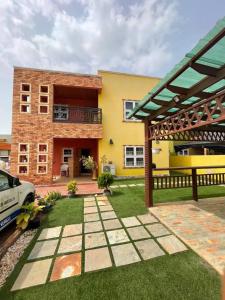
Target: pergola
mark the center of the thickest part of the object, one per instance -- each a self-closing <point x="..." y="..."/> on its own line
<point x="188" y="104"/>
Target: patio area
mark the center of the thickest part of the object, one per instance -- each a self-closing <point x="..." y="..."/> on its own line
<point x="200" y="225"/>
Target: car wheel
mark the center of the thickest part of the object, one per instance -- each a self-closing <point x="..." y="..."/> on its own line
<point x="29" y="198"/>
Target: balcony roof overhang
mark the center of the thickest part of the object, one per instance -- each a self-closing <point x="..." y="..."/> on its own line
<point x="198" y="76"/>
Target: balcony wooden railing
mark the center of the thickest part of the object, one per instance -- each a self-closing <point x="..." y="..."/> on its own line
<point x="183" y="181"/>
<point x="72" y="114"/>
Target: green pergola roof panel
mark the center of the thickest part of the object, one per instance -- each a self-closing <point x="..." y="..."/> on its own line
<point x="193" y="70"/>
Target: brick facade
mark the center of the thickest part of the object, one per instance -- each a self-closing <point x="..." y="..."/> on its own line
<point x="35" y="128"/>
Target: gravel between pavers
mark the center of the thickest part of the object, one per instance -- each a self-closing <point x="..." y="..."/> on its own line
<point x="13" y="254"/>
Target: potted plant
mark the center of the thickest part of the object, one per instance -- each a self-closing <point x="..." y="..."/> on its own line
<point x="72" y="188"/>
<point x="90" y="164"/>
<point x="49" y="201"/>
<point x="104" y="181"/>
<point x="29" y="216"/>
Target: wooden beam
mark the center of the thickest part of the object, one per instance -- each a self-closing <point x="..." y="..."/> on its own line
<point x="148" y="167"/>
<point x="203" y="69"/>
<point x="184" y="92"/>
<point x="205" y="83"/>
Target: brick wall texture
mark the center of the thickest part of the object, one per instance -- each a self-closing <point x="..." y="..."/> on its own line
<point x="35" y="128"/>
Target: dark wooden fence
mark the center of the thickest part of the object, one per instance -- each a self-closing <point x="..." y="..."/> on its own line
<point x="184" y="181"/>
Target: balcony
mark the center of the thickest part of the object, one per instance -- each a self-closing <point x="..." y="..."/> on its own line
<point x="81" y="115"/>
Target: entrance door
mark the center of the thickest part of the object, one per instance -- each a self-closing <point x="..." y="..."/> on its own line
<point x="86" y="153"/>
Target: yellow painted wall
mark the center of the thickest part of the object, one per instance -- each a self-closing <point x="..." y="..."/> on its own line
<point x="198" y="160"/>
<point x="116" y="88"/>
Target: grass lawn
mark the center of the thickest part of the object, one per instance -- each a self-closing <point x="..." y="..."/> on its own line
<point x="130" y="201"/>
<point x="183" y="276"/>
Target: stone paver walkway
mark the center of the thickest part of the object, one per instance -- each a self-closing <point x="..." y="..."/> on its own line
<point x="200" y="225"/>
<point x="101" y="241"/>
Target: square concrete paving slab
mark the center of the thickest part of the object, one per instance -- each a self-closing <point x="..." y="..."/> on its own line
<point x="70" y="244"/>
<point x="103" y="203"/>
<point x="130" y="221"/>
<point x="102" y="198"/>
<point x="122" y="185"/>
<point x="108" y="215"/>
<point x="132" y="184"/>
<point x="138" y="233"/>
<point x="140" y="184"/>
<point x="171" y="244"/>
<point x="93" y="240"/>
<point x="106" y="208"/>
<point x="112" y="224"/>
<point x="147" y="219"/>
<point x="114" y="186"/>
<point x="66" y="266"/>
<point x="43" y="249"/>
<point x="72" y="229"/>
<point x="157" y="229"/>
<point x="93" y="227"/>
<point x="117" y="236"/>
<point x="87" y="199"/>
<point x="91" y="217"/>
<point x="97" y="259"/>
<point x="50" y="233"/>
<point x="32" y="274"/>
<point x="125" y="254"/>
<point x="90" y="210"/>
<point x="149" y="249"/>
<point x="89" y="203"/>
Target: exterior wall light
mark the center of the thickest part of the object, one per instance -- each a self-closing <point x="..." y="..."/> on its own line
<point x="156" y="150"/>
<point x="176" y="99"/>
<point x="111" y="142"/>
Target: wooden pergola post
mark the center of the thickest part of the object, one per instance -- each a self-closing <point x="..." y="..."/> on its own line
<point x="148" y="167"/>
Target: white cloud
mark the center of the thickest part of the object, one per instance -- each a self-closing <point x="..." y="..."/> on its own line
<point x="86" y="35"/>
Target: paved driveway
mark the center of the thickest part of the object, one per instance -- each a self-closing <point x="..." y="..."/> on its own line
<point x="200" y="225"/>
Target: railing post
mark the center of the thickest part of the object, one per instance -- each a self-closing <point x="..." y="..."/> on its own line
<point x="148" y="168"/>
<point x="194" y="184"/>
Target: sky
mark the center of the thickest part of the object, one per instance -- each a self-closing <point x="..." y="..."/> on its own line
<point x="146" y="37"/>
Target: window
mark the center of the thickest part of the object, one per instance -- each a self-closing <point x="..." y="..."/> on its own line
<point x="42" y="148"/>
<point x="43" y="99"/>
<point x="129" y="105"/>
<point x="134" y="156"/>
<point x="61" y="112"/>
<point x="43" y="109"/>
<point x="25" y="98"/>
<point x="23" y="158"/>
<point x="24" y="148"/>
<point x="25" y="108"/>
<point x="22" y="169"/>
<point x="25" y="87"/>
<point x="67" y="152"/>
<point x="42" y="169"/>
<point x="42" y="158"/>
<point x="183" y="152"/>
<point x="44" y="89"/>
<point x="4" y="182"/>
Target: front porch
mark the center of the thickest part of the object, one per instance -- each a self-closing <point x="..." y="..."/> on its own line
<point x="67" y="163"/>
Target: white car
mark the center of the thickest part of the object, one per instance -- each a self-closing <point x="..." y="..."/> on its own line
<point x="13" y="194"/>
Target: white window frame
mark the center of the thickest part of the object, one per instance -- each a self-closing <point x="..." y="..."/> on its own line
<point x="21" y="87"/>
<point x="42" y="144"/>
<point x="43" y="113"/>
<point x="43" y="93"/>
<point x="183" y="152"/>
<point x="133" y="119"/>
<point x="63" y="155"/>
<point x="134" y="156"/>
<point x="28" y="148"/>
<point x="23" y="165"/>
<point x="42" y="165"/>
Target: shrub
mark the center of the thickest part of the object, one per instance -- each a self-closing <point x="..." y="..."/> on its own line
<point x="28" y="213"/>
<point x="53" y="196"/>
<point x="105" y="180"/>
<point x="72" y="187"/>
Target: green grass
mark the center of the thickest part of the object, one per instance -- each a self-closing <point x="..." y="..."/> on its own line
<point x="183" y="276"/>
<point x="130" y="201"/>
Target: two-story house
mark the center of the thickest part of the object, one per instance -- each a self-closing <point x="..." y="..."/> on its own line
<point x="58" y="117"/>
